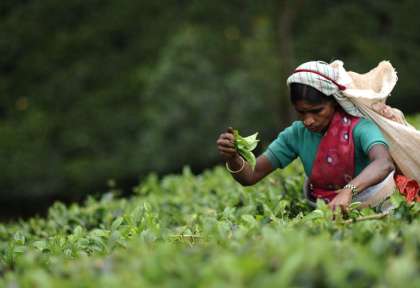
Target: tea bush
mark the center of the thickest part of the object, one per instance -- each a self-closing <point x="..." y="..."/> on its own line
<point x="208" y="231"/>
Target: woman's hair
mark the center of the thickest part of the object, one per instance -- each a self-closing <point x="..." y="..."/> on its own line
<point x="302" y="92"/>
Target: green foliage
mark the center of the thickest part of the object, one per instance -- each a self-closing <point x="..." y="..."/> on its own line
<point x="414" y="120"/>
<point x="245" y="145"/>
<point x="208" y="231"/>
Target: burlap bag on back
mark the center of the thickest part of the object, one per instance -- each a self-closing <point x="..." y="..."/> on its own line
<point x="367" y="90"/>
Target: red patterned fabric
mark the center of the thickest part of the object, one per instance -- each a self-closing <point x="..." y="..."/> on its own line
<point x="408" y="187"/>
<point x="334" y="162"/>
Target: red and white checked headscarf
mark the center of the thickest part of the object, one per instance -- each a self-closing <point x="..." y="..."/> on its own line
<point x="324" y="78"/>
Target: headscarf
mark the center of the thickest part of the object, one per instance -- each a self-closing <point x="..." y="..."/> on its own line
<point x="324" y="78"/>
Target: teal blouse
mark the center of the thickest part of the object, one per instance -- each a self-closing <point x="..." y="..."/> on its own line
<point x="297" y="141"/>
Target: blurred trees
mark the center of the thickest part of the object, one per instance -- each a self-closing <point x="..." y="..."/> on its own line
<point x="93" y="90"/>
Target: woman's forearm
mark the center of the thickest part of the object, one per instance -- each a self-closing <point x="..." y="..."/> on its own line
<point x="374" y="173"/>
<point x="245" y="176"/>
<point x="248" y="176"/>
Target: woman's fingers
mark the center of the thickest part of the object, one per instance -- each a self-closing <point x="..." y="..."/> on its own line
<point x="223" y="142"/>
<point x="227" y="150"/>
<point x="333" y="206"/>
<point x="227" y="155"/>
<point x="228" y="136"/>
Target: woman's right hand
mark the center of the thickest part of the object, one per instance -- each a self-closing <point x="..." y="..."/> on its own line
<point x="226" y="146"/>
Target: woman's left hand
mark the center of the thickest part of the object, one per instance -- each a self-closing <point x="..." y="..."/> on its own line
<point x="342" y="200"/>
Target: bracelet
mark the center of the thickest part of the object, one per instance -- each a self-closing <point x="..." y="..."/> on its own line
<point x="353" y="189"/>
<point x="237" y="171"/>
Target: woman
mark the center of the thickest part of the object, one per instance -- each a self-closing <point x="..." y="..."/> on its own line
<point x="345" y="157"/>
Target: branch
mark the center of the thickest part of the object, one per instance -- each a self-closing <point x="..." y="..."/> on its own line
<point x="369" y="217"/>
<point x="185" y="236"/>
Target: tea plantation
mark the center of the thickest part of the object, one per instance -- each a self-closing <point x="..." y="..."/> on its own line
<point x="208" y="231"/>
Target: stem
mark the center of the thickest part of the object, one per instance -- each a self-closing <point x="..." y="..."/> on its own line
<point x="186" y="236"/>
<point x="369" y="217"/>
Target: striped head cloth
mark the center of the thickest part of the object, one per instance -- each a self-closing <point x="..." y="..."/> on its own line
<point x="324" y="78"/>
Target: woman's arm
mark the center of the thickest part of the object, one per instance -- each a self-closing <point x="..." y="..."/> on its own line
<point x="379" y="168"/>
<point x="246" y="176"/>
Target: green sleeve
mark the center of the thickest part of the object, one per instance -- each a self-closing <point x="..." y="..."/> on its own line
<point x="282" y="150"/>
<point x="367" y="134"/>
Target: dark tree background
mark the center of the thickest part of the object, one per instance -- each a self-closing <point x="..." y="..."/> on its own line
<point x="98" y="90"/>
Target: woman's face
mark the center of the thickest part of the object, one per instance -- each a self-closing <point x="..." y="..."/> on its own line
<point x="315" y="117"/>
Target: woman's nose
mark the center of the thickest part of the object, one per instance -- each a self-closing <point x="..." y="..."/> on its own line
<point x="308" y="121"/>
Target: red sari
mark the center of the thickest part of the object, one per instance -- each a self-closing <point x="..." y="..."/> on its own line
<point x="334" y="162"/>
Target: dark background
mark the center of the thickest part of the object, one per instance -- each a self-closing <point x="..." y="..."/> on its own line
<point x="97" y="94"/>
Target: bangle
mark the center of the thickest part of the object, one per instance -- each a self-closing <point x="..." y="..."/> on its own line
<point x="353" y="189"/>
<point x="237" y="171"/>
